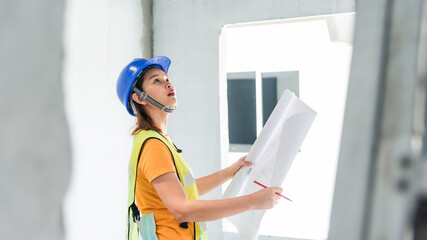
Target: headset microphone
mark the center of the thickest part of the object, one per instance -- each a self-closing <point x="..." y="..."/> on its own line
<point x="143" y="95"/>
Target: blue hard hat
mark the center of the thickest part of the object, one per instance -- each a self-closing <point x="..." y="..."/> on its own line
<point x="131" y="73"/>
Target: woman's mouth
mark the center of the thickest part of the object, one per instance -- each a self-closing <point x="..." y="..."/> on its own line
<point x="171" y="93"/>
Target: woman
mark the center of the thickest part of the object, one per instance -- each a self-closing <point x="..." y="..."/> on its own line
<point x="163" y="195"/>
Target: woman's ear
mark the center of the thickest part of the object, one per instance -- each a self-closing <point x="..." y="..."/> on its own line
<point x="138" y="99"/>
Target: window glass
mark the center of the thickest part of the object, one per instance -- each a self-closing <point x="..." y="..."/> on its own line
<point x="269" y="97"/>
<point x="241" y="111"/>
<point x="273" y="86"/>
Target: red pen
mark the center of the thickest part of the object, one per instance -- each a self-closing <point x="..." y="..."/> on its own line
<point x="276" y="193"/>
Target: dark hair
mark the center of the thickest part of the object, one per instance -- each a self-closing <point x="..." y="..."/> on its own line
<point x="143" y="120"/>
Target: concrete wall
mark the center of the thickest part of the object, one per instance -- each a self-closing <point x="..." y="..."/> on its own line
<point x="101" y="37"/>
<point x="34" y="138"/>
<point x="188" y="32"/>
<point x="384" y="123"/>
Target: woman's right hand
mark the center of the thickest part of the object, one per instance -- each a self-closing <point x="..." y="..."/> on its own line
<point x="265" y="198"/>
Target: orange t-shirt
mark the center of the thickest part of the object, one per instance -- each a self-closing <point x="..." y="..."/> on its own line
<point x="156" y="160"/>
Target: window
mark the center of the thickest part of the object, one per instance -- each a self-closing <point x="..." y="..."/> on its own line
<point x="251" y="100"/>
<point x="273" y="86"/>
<point x="258" y="61"/>
<point x="241" y="110"/>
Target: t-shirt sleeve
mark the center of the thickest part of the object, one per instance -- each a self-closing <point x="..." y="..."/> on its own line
<point x="155" y="160"/>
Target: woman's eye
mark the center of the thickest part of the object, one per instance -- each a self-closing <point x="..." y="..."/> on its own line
<point x="156" y="80"/>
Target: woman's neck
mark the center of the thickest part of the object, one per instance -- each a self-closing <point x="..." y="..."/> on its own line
<point x="160" y="120"/>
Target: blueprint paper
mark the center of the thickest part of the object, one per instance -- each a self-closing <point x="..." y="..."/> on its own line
<point x="272" y="155"/>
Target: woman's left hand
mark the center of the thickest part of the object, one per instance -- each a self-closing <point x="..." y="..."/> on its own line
<point x="233" y="169"/>
<point x="208" y="183"/>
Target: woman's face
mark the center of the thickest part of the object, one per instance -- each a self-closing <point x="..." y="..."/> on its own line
<point x="157" y="85"/>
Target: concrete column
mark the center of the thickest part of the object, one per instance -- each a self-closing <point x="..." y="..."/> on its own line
<point x="380" y="147"/>
<point x="34" y="137"/>
<point x="147" y="29"/>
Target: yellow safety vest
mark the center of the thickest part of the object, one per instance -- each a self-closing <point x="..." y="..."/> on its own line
<point x="184" y="175"/>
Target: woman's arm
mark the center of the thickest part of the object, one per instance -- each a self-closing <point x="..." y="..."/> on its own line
<point x="210" y="182"/>
<point x="173" y="196"/>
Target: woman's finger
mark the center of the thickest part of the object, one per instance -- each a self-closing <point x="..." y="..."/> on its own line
<point x="247" y="163"/>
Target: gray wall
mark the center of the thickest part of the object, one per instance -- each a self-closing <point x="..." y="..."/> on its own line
<point x="188" y="32"/>
<point x="34" y="139"/>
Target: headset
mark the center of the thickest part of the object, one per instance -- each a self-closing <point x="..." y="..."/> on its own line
<point x="144" y="96"/>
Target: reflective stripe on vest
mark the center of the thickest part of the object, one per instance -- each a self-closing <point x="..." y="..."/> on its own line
<point x="184" y="174"/>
